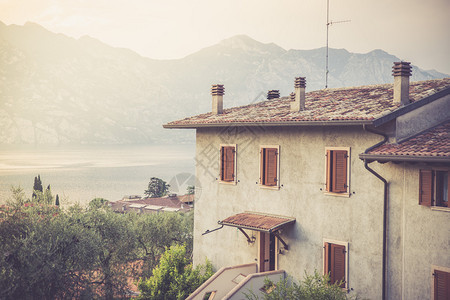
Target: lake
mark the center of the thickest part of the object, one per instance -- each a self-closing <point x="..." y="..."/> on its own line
<point x="79" y="174"/>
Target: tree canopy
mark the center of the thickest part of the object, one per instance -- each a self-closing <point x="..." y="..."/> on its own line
<point x="93" y="252"/>
<point x="156" y="188"/>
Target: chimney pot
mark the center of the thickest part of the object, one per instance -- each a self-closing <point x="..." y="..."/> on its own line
<point x="401" y="72"/>
<point x="217" y="92"/>
<point x="299" y="96"/>
<point x="273" y="94"/>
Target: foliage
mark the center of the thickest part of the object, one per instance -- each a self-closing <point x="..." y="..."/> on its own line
<point x="155" y="234"/>
<point x="37" y="186"/>
<point x="312" y="287"/>
<point x="97" y="203"/>
<point x="49" y="253"/>
<point x="174" y="277"/>
<point x="156" y="188"/>
<point x="57" y="200"/>
<point x="190" y="190"/>
<point x="39" y="195"/>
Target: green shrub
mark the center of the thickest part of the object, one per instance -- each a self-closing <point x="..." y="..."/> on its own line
<point x="312" y="287"/>
<point x="174" y="277"/>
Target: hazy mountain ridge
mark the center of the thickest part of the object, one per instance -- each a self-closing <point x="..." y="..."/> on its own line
<point x="60" y="90"/>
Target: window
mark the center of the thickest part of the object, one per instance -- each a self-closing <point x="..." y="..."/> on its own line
<point x="228" y="163"/>
<point x="441" y="285"/>
<point x="335" y="262"/>
<point x="337" y="170"/>
<point x="433" y="189"/>
<point x="269" y="167"/>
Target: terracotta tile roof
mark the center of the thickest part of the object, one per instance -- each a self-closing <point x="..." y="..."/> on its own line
<point x="433" y="143"/>
<point x="360" y="104"/>
<point x="257" y="221"/>
<point x="164" y="203"/>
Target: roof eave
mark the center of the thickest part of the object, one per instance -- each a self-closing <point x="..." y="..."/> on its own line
<point x="404" y="158"/>
<point x="271" y="124"/>
<point x="410" y="107"/>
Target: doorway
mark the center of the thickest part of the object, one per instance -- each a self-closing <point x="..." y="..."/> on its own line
<point x="267" y="249"/>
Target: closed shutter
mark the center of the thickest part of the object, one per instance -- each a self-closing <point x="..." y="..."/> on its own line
<point x="337" y="262"/>
<point x="441" y="285"/>
<point x="339" y="171"/>
<point x="425" y="187"/>
<point x="271" y="167"/>
<point x="228" y="163"/>
<point x="329" y="159"/>
<point x="448" y="189"/>
<point x="326" y="259"/>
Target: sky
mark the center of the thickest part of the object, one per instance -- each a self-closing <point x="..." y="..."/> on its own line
<point x="413" y="30"/>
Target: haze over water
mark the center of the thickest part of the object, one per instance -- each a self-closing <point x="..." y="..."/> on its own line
<point x="81" y="173"/>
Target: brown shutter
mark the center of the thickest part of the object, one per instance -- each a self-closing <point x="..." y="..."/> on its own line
<point x="271" y="167"/>
<point x="262" y="153"/>
<point x="227" y="163"/>
<point x="441" y="285"/>
<point x="328" y="182"/>
<point x="222" y="163"/>
<point x="339" y="171"/>
<point x="425" y="187"/>
<point x="448" y="189"/>
<point x="326" y="259"/>
<point x="337" y="264"/>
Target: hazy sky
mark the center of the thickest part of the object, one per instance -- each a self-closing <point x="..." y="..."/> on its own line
<point x="414" y="30"/>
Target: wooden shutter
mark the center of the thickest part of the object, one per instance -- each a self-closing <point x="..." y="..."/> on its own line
<point x="227" y="163"/>
<point x="339" y="171"/>
<point x="326" y="259"/>
<point x="337" y="263"/>
<point x="441" y="285"/>
<point x="328" y="180"/>
<point x="425" y="187"/>
<point x="271" y="167"/>
<point x="448" y="189"/>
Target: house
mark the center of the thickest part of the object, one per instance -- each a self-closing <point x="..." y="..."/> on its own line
<point x="170" y="203"/>
<point x="351" y="181"/>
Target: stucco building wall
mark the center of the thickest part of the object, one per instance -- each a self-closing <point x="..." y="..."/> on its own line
<point x="356" y="219"/>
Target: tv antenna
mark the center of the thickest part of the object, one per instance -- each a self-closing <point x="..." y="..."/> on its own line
<point x="329" y="23"/>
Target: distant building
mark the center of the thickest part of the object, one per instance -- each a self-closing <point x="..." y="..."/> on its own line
<point x="131" y="197"/>
<point x="353" y="182"/>
<point x="171" y="203"/>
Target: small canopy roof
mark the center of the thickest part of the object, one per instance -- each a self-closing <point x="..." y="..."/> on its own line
<point x="258" y="221"/>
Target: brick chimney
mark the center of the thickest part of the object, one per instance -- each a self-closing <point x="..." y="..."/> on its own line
<point x="273" y="94"/>
<point x="401" y="72"/>
<point x="217" y="92"/>
<point x="299" y="99"/>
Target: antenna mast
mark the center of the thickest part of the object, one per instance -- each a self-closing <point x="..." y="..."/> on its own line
<point x="328" y="25"/>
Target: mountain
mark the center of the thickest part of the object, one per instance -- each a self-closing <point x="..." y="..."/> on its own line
<point x="59" y="90"/>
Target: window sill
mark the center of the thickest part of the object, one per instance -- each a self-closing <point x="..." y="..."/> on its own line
<point x="440" y="208"/>
<point x="346" y="195"/>
<point x="228" y="182"/>
<point x="269" y="187"/>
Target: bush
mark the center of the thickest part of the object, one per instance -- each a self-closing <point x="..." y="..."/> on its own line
<point x="313" y="287"/>
<point x="174" y="277"/>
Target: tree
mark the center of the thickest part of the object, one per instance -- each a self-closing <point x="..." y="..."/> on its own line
<point x="174" y="277"/>
<point x="190" y="190"/>
<point x="37" y="186"/>
<point x="157" y="188"/>
<point x="48" y="197"/>
<point x="57" y="200"/>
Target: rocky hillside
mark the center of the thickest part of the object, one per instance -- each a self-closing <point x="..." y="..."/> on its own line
<point x="58" y="90"/>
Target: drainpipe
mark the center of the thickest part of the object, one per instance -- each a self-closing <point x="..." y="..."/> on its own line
<point x="385" y="204"/>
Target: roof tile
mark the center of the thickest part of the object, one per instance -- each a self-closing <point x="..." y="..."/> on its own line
<point x="432" y="143"/>
<point x="344" y="104"/>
